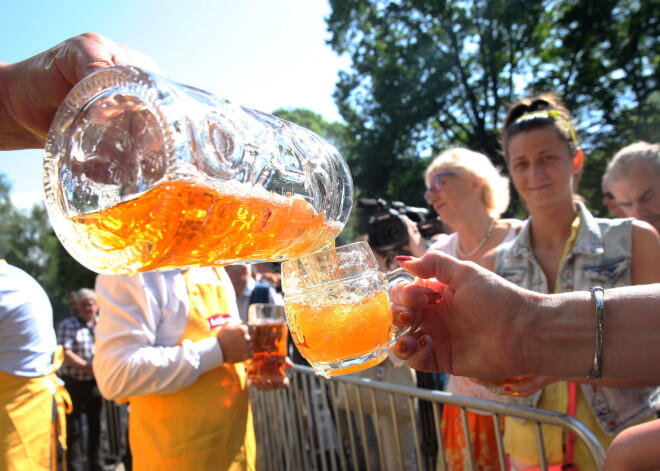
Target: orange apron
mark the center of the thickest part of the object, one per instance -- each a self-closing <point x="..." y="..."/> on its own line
<point x="32" y="418"/>
<point x="207" y="426"/>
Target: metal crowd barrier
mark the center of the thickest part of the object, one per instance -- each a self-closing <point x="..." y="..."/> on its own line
<point x="319" y="424"/>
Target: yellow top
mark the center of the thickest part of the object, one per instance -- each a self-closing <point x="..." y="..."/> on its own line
<point x="520" y="438"/>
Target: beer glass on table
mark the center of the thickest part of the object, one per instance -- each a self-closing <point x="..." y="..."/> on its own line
<point x="268" y="330"/>
<point x="142" y="173"/>
<point x="338" y="308"/>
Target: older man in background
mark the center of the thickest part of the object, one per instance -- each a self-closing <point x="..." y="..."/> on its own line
<point x="633" y="177"/>
<point x="249" y="291"/>
<point x="76" y="335"/>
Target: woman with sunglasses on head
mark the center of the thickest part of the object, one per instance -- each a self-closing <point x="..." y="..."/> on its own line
<point x="469" y="194"/>
<point x="564" y="248"/>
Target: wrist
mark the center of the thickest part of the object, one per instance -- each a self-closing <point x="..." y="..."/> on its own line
<point x="534" y="314"/>
<point x="565" y="335"/>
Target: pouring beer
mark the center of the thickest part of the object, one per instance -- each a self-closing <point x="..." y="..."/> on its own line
<point x="142" y="174"/>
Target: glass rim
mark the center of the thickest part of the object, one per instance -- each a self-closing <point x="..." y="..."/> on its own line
<point x="342" y="248"/>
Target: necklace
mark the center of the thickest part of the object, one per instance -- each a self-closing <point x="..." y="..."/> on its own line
<point x="463" y="255"/>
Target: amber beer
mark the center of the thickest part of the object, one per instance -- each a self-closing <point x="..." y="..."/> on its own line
<point x="186" y="224"/>
<point x="328" y="331"/>
<point x="269" y="358"/>
<point x="269" y="336"/>
<point x="338" y="308"/>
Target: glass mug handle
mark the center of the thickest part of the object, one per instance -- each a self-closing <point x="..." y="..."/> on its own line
<point x="394" y="278"/>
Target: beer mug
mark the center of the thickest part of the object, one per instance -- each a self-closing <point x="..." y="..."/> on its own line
<point x="338" y="308"/>
<point x="142" y="173"/>
<point x="269" y="336"/>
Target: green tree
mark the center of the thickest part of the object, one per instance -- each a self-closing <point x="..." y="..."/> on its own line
<point x="27" y="241"/>
<point x="427" y="75"/>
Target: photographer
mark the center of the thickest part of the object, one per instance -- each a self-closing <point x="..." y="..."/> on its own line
<point x="396" y="229"/>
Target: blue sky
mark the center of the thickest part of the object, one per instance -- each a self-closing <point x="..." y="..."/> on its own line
<point x="264" y="54"/>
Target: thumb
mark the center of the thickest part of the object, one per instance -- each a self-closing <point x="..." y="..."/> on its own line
<point x="435" y="264"/>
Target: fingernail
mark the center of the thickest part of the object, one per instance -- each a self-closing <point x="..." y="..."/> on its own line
<point x="401" y="346"/>
<point x="430" y="298"/>
<point x="405" y="318"/>
<point x="507" y="388"/>
<point x="422" y="341"/>
<point x="403" y="258"/>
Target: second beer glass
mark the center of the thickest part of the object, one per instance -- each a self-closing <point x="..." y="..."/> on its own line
<point x="269" y="335"/>
<point x="338" y="308"/>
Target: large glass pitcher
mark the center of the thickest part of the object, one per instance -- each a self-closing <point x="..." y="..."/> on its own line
<point x="142" y="173"/>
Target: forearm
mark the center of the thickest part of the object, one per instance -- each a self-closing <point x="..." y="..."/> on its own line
<point x="77" y="362"/>
<point x="636" y="448"/>
<point x="132" y="370"/>
<point x="562" y="334"/>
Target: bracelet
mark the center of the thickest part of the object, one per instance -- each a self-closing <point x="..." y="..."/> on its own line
<point x="598" y="294"/>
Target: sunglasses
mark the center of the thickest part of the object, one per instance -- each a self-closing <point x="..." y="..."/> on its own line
<point x="437" y="183"/>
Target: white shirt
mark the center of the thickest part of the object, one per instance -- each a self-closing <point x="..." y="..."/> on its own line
<point x="142" y="318"/>
<point x="27" y="336"/>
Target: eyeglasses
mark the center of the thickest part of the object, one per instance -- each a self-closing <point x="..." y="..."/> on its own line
<point x="437" y="183"/>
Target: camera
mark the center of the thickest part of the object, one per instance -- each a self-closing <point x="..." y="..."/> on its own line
<point x="386" y="228"/>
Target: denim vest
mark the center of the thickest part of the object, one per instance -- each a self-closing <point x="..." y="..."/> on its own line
<point x="602" y="257"/>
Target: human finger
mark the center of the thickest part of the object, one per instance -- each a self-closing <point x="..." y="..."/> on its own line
<point x="414" y="295"/>
<point x="527" y="386"/>
<point x="270" y="384"/>
<point x="422" y="358"/>
<point x="89" y="52"/>
<point x="436" y="264"/>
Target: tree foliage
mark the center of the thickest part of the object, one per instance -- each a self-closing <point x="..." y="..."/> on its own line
<point x="428" y="75"/>
<point x="28" y="242"/>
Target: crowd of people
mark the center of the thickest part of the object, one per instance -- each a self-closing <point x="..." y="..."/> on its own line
<point x="497" y="298"/>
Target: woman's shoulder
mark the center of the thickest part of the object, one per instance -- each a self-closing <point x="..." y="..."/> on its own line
<point x="644" y="233"/>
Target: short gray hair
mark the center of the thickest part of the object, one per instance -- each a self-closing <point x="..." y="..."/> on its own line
<point x="619" y="166"/>
<point x="85" y="293"/>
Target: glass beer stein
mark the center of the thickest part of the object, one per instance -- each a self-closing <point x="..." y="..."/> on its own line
<point x="269" y="334"/>
<point x="338" y="308"/>
<point x="142" y="173"/>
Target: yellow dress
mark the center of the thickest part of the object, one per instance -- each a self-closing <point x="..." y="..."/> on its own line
<point x="207" y="426"/>
<point x="29" y="427"/>
<point x="32" y="418"/>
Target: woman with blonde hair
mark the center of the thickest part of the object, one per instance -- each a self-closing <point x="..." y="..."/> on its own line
<point x="469" y="193"/>
<point x="564" y="248"/>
